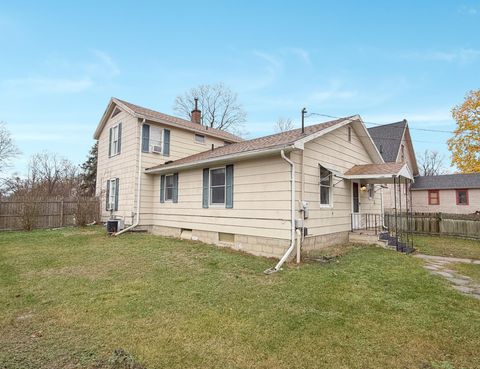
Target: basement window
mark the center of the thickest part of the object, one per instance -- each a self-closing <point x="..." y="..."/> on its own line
<point x="226" y="237"/>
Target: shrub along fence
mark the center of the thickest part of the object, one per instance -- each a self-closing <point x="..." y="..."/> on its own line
<point x="31" y="213"/>
<point x="438" y="224"/>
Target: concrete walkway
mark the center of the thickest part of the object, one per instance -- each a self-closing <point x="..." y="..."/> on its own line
<point x="439" y="265"/>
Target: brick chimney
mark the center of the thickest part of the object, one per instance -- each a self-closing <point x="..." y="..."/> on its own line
<point x="196" y="114"/>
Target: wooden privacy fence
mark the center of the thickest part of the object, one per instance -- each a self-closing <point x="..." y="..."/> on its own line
<point x="50" y="213"/>
<point x="437" y="224"/>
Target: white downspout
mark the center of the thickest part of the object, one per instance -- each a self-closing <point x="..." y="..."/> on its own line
<point x="139" y="183"/>
<point x="292" y="205"/>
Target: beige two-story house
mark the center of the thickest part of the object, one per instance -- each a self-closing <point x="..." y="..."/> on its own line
<point x="179" y="178"/>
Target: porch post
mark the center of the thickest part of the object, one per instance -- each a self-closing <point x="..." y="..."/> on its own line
<point x="400" y="207"/>
<point x="395" y="201"/>
<point x="411" y="213"/>
<point x="407" y="225"/>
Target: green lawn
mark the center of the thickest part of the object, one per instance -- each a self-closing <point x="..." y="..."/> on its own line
<point x="470" y="270"/>
<point x="448" y="246"/>
<point x="71" y="298"/>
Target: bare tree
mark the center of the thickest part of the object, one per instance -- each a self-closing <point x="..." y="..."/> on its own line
<point x="283" y="125"/>
<point x="53" y="174"/>
<point x="219" y="105"/>
<point x="431" y="163"/>
<point x="8" y="150"/>
<point x="48" y="175"/>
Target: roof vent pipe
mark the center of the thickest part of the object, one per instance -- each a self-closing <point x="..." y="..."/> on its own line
<point x="304" y="111"/>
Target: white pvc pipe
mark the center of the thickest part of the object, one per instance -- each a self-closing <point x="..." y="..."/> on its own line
<point x="292" y="235"/>
<point x="139" y="183"/>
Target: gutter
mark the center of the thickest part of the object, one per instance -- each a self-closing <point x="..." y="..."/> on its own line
<point x="139" y="183"/>
<point x="292" y="205"/>
<point x="223" y="158"/>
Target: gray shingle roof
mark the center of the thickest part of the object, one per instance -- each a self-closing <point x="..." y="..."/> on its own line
<point x="448" y="181"/>
<point x="266" y="142"/>
<point x="387" y="138"/>
<point x="154" y="115"/>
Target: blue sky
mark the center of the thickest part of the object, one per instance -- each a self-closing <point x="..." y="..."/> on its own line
<point x="61" y="62"/>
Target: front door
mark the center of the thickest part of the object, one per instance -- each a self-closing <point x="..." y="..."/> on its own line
<point x="356" y="219"/>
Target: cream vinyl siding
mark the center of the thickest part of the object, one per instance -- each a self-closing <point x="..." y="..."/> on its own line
<point x="121" y="166"/>
<point x="448" y="202"/>
<point x="182" y="144"/>
<point x="125" y="165"/>
<point x="334" y="152"/>
<point x="261" y="201"/>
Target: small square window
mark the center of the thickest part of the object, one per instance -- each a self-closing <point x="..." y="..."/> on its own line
<point x="199" y="138"/>
<point x="433" y="197"/>
<point x="462" y="197"/>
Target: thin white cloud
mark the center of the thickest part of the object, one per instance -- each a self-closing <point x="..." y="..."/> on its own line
<point x="104" y="63"/>
<point x="334" y="91"/>
<point x="428" y="118"/>
<point x="461" y="55"/>
<point x="468" y="10"/>
<point x="65" y="76"/>
<point x="48" y="85"/>
<point x="301" y="54"/>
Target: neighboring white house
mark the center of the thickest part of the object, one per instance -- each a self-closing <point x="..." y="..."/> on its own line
<point x="451" y="193"/>
<point x="204" y="184"/>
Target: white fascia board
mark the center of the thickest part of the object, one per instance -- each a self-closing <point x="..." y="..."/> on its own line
<point x="221" y="159"/>
<point x="368" y="142"/>
<point x="300" y="144"/>
<point x="106" y="115"/>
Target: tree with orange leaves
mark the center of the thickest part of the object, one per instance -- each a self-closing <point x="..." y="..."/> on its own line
<point x="465" y="144"/>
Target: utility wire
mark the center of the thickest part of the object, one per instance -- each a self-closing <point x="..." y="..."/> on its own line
<point x="382" y="124"/>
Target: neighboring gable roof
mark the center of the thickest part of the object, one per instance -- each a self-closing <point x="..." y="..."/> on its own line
<point x="447" y="181"/>
<point x="293" y="138"/>
<point x="155" y="116"/>
<point x="388" y="137"/>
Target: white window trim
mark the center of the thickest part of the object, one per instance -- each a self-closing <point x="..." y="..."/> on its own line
<point x="165" y="189"/>
<point x="150" y="140"/>
<point x="113" y="153"/>
<point x="199" y="135"/>
<point x="330" y="204"/>
<point x="217" y="204"/>
<point x="111" y="194"/>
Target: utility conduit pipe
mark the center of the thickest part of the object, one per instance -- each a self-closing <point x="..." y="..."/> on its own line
<point x="292" y="220"/>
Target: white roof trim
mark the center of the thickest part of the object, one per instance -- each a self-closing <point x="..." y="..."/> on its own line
<point x="403" y="172"/>
<point x="220" y="159"/>
<point x="357" y="124"/>
<point x="106" y="116"/>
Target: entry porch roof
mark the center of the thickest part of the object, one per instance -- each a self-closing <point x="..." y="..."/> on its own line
<point x="378" y="173"/>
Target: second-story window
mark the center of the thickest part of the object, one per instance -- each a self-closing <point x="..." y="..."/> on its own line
<point x="115" y="140"/>
<point x="155" y="139"/>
